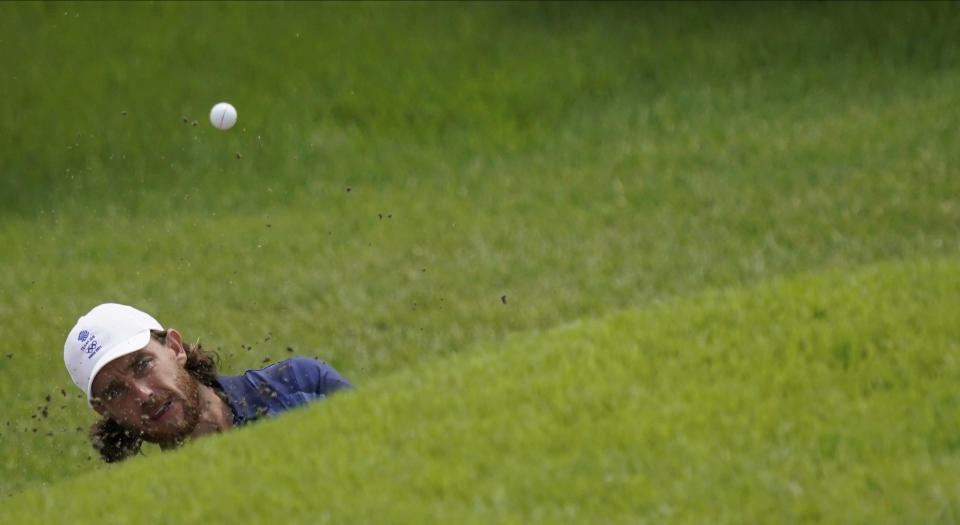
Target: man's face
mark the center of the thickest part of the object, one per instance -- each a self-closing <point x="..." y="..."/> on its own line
<point x="149" y="391"/>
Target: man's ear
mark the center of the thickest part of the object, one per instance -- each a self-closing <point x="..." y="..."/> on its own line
<point x="175" y="343"/>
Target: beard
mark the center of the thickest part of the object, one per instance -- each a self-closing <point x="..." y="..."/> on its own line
<point x="172" y="433"/>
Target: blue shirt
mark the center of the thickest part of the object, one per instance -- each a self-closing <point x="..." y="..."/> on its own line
<point x="279" y="387"/>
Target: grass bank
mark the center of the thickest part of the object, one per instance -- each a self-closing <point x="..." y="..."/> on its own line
<point x="821" y="398"/>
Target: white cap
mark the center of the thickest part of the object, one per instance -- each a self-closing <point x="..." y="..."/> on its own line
<point x="107" y="332"/>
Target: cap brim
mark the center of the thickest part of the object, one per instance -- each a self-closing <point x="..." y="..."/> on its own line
<point x="127" y="346"/>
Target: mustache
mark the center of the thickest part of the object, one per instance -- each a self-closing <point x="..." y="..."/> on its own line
<point x="151" y="406"/>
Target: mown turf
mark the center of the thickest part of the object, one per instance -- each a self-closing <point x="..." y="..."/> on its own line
<point x="818" y="399"/>
<point x="417" y="180"/>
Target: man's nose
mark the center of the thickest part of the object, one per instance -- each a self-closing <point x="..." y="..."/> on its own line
<point x="142" y="391"/>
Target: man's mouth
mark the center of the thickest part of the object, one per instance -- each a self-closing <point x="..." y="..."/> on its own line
<point x="161" y="411"/>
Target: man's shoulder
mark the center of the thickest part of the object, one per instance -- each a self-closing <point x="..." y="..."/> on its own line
<point x="282" y="385"/>
<point x="294" y="364"/>
<point x="295" y="373"/>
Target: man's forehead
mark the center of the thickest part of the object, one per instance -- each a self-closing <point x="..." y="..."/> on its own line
<point x="123" y="362"/>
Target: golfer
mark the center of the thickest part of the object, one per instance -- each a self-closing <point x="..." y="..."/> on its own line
<point x="149" y="385"/>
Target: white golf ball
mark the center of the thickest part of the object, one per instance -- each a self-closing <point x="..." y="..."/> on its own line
<point x="223" y="116"/>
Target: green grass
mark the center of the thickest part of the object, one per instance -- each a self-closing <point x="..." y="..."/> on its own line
<point x="404" y="166"/>
<point x="821" y="398"/>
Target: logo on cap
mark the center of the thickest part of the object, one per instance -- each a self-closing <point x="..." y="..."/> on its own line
<point x="89" y="346"/>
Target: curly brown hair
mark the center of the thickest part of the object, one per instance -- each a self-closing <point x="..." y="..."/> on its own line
<point x="116" y="443"/>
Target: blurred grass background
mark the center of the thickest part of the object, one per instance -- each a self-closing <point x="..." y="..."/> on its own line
<point x="410" y="180"/>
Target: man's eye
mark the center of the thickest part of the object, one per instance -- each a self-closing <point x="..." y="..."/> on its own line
<point x="112" y="393"/>
<point x="141" y="365"/>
